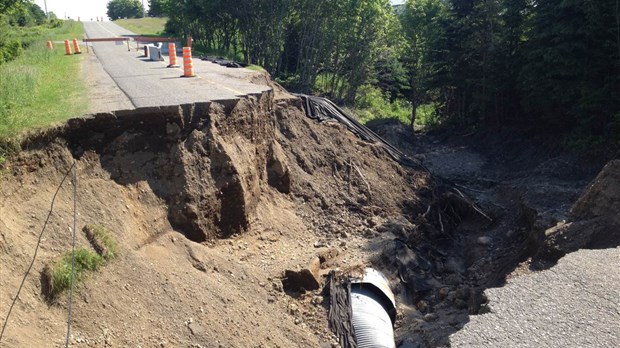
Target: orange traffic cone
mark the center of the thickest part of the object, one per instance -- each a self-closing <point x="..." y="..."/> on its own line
<point x="49" y="45"/>
<point x="172" y="55"/>
<point x="188" y="65"/>
<point x="76" y="47"/>
<point x="67" y="48"/>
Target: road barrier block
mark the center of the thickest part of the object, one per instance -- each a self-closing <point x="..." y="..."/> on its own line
<point x="188" y="66"/>
<point x="76" y="47"/>
<point x="67" y="48"/>
<point x="172" y="55"/>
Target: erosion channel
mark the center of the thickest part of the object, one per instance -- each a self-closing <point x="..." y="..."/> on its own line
<point x="212" y="202"/>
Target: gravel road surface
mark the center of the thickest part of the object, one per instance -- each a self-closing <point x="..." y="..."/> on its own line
<point x="574" y="304"/>
<point x="151" y="83"/>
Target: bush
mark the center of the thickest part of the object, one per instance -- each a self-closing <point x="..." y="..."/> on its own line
<point x="427" y="117"/>
<point x="371" y="104"/>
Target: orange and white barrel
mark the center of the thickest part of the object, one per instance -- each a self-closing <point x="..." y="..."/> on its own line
<point x="76" y="47"/>
<point x="188" y="65"/>
<point x="68" y="48"/>
<point x="172" y="55"/>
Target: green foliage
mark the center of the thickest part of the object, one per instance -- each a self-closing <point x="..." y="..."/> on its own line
<point x="102" y="238"/>
<point x="59" y="273"/>
<point x="40" y="86"/>
<point x="372" y="104"/>
<point x="554" y="65"/>
<point x="118" y="9"/>
<point x="427" y="117"/>
<point x="157" y="8"/>
<point x="339" y="40"/>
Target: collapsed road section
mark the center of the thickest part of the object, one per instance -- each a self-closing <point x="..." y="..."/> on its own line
<point x="217" y="206"/>
<point x="259" y="185"/>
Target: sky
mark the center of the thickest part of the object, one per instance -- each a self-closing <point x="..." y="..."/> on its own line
<point x="87" y="9"/>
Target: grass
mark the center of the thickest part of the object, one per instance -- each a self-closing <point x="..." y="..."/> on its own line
<point x="40" y="87"/>
<point x="255" y="67"/>
<point x="144" y="26"/>
<point x="58" y="274"/>
<point x="69" y="30"/>
<point x="102" y="240"/>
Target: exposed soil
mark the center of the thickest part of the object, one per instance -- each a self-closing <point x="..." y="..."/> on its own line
<point x="212" y="203"/>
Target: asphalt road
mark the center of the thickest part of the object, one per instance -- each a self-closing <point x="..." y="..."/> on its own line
<point x="151" y="83"/>
<point x="572" y="305"/>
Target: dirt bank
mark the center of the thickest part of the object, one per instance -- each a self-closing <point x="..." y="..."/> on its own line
<point x="211" y="203"/>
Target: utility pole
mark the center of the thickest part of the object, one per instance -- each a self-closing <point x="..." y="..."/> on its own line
<point x="143" y="10"/>
<point x="47" y="14"/>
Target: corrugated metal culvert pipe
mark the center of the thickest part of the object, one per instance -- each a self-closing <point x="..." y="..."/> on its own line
<point x="374" y="310"/>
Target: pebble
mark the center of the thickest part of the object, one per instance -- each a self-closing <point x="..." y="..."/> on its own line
<point x="422" y="306"/>
<point x="484" y="240"/>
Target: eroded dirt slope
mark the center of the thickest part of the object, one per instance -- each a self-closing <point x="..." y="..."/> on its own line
<point x="210" y="203"/>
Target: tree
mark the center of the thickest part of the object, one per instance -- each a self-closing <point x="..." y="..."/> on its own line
<point x="125" y="9"/>
<point x="156" y="8"/>
<point x="6" y="6"/>
<point x="424" y="23"/>
<point x="571" y="77"/>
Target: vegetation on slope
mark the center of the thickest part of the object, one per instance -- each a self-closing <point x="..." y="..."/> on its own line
<point x="38" y="86"/>
<point x="86" y="261"/>
<point x="143" y="26"/>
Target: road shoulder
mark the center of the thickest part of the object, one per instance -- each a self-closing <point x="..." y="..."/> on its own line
<point x="104" y="95"/>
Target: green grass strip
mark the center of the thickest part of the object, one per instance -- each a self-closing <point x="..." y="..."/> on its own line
<point x="144" y="26"/>
<point x="41" y="87"/>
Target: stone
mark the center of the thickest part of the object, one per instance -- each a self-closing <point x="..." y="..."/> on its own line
<point x="327" y="255"/>
<point x="484" y="240"/>
<point x="303" y="280"/>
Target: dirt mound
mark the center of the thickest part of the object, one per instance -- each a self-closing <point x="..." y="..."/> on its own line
<point x="594" y="220"/>
<point x="261" y="187"/>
